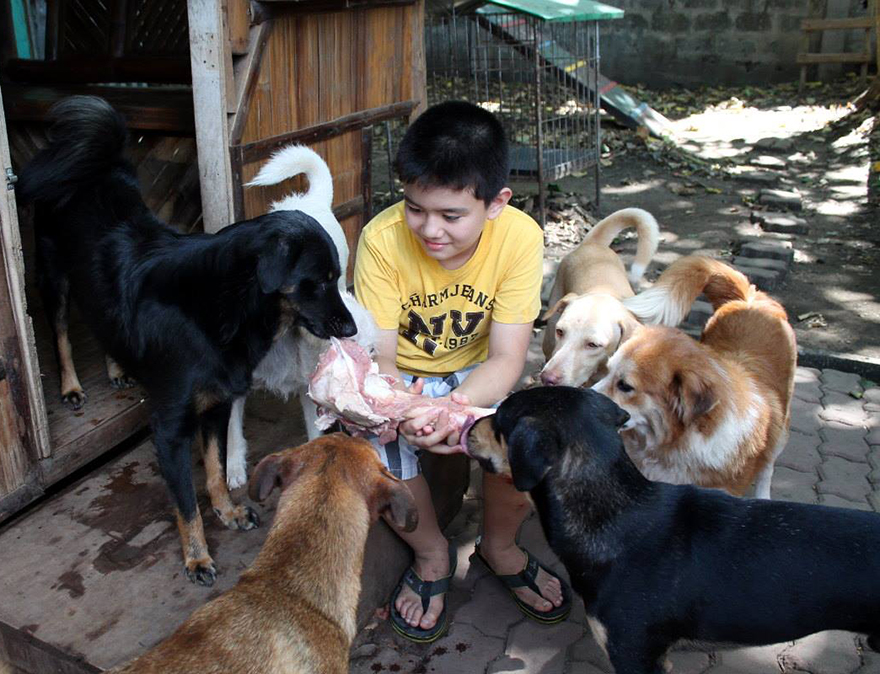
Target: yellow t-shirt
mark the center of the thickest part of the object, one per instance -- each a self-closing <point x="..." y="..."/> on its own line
<point x="443" y="316"/>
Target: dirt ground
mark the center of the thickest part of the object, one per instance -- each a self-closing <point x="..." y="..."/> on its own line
<point x="693" y="186"/>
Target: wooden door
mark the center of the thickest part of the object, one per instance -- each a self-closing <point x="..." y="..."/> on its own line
<point x="23" y="429"/>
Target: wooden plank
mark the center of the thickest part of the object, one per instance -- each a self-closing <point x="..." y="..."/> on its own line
<point x="833" y="58"/>
<point x="261" y="149"/>
<point x="210" y="71"/>
<point x="247" y="76"/>
<point x="29" y="401"/>
<point x="418" y="88"/>
<point x="837" y="24"/>
<point x="239" y="26"/>
<point x="29" y="654"/>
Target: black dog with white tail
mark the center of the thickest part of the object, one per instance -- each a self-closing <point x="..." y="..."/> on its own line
<point x="656" y="563"/>
<point x="187" y="315"/>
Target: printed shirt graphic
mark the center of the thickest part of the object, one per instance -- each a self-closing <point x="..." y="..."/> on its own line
<point x="443" y="316"/>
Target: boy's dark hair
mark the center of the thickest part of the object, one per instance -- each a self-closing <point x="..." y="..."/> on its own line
<point x="456" y="145"/>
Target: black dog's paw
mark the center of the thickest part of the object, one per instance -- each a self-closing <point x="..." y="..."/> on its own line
<point x="122" y="382"/>
<point x="201" y="572"/>
<point x="74" y="400"/>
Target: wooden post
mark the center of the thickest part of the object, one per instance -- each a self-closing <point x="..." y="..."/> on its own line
<point x="419" y="63"/>
<point x="211" y="71"/>
<point x="33" y="404"/>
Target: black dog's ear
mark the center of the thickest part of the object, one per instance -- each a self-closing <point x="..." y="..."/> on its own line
<point x="527" y="448"/>
<point x="275" y="263"/>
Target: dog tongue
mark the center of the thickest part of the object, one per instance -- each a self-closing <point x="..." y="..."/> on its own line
<point x="465" y="429"/>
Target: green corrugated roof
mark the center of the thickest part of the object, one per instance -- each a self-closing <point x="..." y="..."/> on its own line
<point x="562" y="10"/>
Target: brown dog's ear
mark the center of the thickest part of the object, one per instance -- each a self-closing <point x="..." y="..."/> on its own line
<point x="692" y="395"/>
<point x="393" y="499"/>
<point x="276" y="470"/>
<point x="559" y="307"/>
<point x="627" y="327"/>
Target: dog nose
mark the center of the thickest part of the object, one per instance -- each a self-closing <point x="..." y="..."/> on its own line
<point x="622" y="418"/>
<point x="549" y="378"/>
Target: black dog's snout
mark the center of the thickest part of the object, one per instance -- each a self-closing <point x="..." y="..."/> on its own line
<point x="345" y="327"/>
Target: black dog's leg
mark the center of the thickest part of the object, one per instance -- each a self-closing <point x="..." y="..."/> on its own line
<point x="174" y="429"/>
<point x="214" y="424"/>
<point x="55" y="292"/>
<point x="116" y="375"/>
<point x="636" y="657"/>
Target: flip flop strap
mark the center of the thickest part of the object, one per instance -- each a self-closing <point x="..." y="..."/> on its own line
<point x="526" y="577"/>
<point x="428" y="588"/>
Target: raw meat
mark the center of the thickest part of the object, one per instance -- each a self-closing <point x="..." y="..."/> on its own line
<point x="347" y="387"/>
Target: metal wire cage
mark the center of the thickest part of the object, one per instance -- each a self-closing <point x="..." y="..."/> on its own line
<point x="539" y="77"/>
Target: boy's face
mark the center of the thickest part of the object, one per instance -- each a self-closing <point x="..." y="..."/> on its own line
<point x="448" y="223"/>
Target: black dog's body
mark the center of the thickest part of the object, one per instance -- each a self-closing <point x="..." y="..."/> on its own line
<point x="189" y="316"/>
<point x="657" y="563"/>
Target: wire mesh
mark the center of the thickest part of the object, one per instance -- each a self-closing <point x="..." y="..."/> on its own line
<point x="540" y="78"/>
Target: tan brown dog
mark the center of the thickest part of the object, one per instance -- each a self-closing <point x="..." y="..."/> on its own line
<point x="293" y="610"/>
<point x="586" y="320"/>
<point x="714" y="413"/>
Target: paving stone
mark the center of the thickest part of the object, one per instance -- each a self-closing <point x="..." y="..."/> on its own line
<point x="763" y="279"/>
<point x="805" y="416"/>
<point x="847" y="442"/>
<point x="700" y="313"/>
<point x="874" y="500"/>
<point x="807" y="375"/>
<point x="491" y="609"/>
<point x="758" y="176"/>
<point x="837" y="502"/>
<point x="843" y="408"/>
<point x="777" y="250"/>
<point x="831" y="652"/>
<point x="768" y="161"/>
<point x="538" y="648"/>
<point x="846" y="479"/>
<point x="781" y="223"/>
<point x="873" y="436"/>
<point x="808" y="392"/>
<point x="793" y="485"/>
<point x="753" y="659"/>
<point x="872" y="395"/>
<point x="586" y="650"/>
<point x="463" y="649"/>
<point x="762" y="263"/>
<point x="775" y="144"/>
<point x="689" y="662"/>
<point x="801" y="453"/>
<point x="781" y="199"/>
<point x="384" y="660"/>
<point x="844" y="382"/>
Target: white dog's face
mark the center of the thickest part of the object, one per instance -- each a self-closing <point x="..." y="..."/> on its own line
<point x="591" y="328"/>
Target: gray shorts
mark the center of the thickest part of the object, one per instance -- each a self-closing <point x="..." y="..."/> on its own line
<point x="400" y="457"/>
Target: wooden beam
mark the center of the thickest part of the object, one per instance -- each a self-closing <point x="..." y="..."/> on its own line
<point x="419" y="69"/>
<point x="261" y="149"/>
<point x="211" y="73"/>
<point x="833" y="58"/>
<point x="837" y="24"/>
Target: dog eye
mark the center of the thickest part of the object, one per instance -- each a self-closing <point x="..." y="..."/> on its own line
<point x="623" y="387"/>
<point x="592" y="345"/>
<point x="560" y="333"/>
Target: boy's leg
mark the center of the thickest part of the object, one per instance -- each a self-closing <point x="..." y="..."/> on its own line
<point x="504" y="510"/>
<point x="431" y="562"/>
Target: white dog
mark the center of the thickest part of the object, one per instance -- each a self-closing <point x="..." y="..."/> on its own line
<point x="287" y="366"/>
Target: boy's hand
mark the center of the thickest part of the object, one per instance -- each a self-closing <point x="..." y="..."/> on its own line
<point x="432" y="430"/>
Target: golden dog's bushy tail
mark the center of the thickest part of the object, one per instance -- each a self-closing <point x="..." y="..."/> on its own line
<point x="645" y="225"/>
<point x="669" y="301"/>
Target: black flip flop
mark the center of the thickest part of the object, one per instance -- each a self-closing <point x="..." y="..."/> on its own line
<point x="526" y="578"/>
<point x="425" y="589"/>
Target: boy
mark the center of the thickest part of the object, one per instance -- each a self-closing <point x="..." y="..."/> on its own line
<point x="452" y="275"/>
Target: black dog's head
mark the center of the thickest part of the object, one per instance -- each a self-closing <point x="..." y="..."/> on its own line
<point x="540" y="428"/>
<point x="297" y="259"/>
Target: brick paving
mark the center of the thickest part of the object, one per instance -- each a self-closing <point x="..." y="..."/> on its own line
<point x="833" y="458"/>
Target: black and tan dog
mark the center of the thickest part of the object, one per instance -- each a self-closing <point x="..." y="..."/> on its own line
<point x="293" y="611"/>
<point x="188" y="316"/>
<point x="656" y="563"/>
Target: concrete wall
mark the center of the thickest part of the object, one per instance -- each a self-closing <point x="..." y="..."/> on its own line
<point x="663" y="43"/>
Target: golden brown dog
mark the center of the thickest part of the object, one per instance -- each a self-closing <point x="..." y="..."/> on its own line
<point x="589" y="285"/>
<point x="716" y="412"/>
<point x="293" y="610"/>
